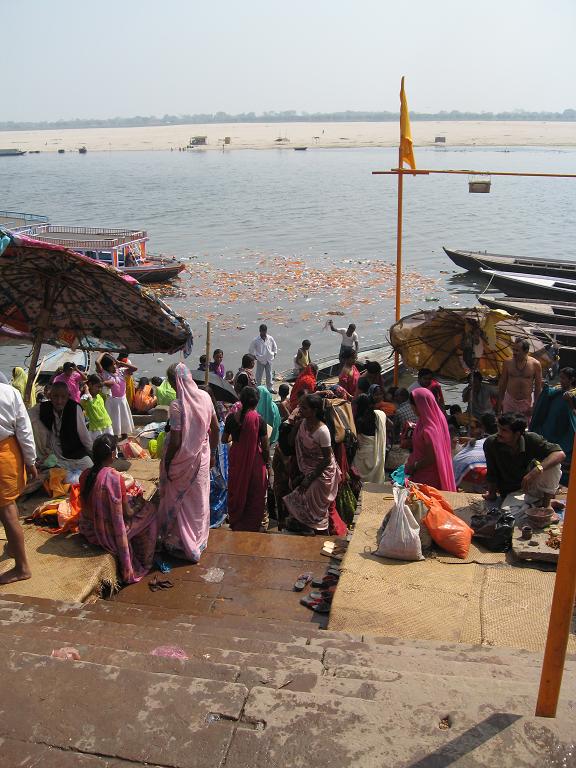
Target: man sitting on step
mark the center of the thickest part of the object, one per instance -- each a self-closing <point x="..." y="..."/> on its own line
<point x="521" y="462"/>
<point x="60" y="429"/>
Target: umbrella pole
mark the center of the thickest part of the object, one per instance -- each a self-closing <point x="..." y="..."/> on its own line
<point x="399" y="255"/>
<point x="36" y="347"/>
<point x="207" y="371"/>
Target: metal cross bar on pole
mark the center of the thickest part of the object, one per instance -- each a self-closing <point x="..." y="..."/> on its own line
<point x="425" y="172"/>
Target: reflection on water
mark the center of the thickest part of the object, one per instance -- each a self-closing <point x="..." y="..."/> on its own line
<point x="244" y="211"/>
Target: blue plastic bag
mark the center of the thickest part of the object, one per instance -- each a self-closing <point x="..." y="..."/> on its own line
<point x="399" y="475"/>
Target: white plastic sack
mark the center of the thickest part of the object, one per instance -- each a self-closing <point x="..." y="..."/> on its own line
<point x="400" y="538"/>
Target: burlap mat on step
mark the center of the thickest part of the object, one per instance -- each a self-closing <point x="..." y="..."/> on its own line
<point x="487" y="602"/>
<point x="63" y="567"/>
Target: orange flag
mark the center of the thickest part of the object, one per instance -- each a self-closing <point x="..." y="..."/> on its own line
<point x="406" y="149"/>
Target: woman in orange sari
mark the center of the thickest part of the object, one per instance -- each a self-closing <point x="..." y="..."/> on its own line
<point x="305" y="383"/>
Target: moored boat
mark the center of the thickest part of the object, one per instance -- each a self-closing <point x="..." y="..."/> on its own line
<point x="12" y="152"/>
<point x="124" y="249"/>
<point x="563" y="312"/>
<point x="532" y="286"/>
<point x="475" y="261"/>
<point x="328" y="367"/>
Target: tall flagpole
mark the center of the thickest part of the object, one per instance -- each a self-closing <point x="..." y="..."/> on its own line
<point x="562" y="607"/>
<point x="399" y="249"/>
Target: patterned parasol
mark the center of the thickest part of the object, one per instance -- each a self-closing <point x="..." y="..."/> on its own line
<point x="53" y="293"/>
<point x="452" y="342"/>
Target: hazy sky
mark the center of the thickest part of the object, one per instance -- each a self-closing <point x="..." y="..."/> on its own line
<point x="106" y="58"/>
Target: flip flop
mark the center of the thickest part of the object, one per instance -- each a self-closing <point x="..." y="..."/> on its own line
<point x="323" y="607"/>
<point x="165" y="584"/>
<point x="153" y="584"/>
<point x="325" y="581"/>
<point x="308" y="602"/>
<point x="302" y="580"/>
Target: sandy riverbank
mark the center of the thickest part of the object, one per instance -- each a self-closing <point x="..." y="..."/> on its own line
<point x="264" y="136"/>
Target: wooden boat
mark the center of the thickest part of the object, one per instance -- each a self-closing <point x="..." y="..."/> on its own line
<point x="12" y="152"/>
<point x="474" y="261"/>
<point x="562" y="334"/>
<point x="82" y="150"/>
<point x="532" y="286"/>
<point x="124" y="249"/>
<point x="329" y="367"/>
<point x="535" y="311"/>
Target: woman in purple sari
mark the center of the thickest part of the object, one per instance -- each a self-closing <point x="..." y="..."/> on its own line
<point x="317" y="487"/>
<point x="108" y="519"/>
<point x="248" y="462"/>
<point x="189" y="452"/>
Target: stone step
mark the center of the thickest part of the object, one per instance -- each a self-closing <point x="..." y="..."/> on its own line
<point x="163" y="635"/>
<point x="244" y="626"/>
<point x="119" y="713"/>
<point x="17" y="754"/>
<point x="419" y="688"/>
<point x="323" y="730"/>
<point x="386" y="654"/>
<point x="255" y="667"/>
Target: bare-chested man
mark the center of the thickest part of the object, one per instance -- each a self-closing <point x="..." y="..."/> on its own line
<point x="521" y="381"/>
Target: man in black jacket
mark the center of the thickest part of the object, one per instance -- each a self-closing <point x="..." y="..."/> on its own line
<point x="60" y="429"/>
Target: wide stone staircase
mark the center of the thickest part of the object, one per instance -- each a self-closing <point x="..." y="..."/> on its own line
<point x="159" y="688"/>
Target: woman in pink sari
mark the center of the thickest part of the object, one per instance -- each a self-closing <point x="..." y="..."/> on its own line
<point x="248" y="462"/>
<point x="108" y="519"/>
<point x="189" y="453"/>
<point x="431" y="459"/>
<point x="310" y="503"/>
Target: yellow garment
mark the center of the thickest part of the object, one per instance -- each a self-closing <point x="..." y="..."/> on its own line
<point x="406" y="146"/>
<point x="130" y="389"/>
<point x="488" y="326"/>
<point x="12" y="475"/>
<point x="19" y="381"/>
<point x="55" y="485"/>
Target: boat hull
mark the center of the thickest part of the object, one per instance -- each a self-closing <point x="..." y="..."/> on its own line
<point x="154" y="273"/>
<point x="474" y="261"/>
<point x="564" y="313"/>
<point x="514" y="287"/>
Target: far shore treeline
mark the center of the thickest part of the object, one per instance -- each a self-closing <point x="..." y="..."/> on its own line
<point x="288" y="116"/>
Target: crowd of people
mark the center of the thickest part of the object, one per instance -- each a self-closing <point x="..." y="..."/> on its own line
<point x="301" y="458"/>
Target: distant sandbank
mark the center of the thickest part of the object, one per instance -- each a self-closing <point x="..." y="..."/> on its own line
<point x="265" y="136"/>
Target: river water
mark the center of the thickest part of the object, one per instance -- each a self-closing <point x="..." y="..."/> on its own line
<point x="286" y="237"/>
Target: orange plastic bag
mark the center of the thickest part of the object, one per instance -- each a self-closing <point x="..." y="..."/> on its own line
<point x="448" y="531"/>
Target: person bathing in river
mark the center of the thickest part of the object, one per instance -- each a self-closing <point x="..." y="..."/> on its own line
<point x="349" y="338"/>
<point x="521" y="381"/>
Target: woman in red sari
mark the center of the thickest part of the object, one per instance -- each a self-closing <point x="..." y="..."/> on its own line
<point x="107" y="518"/>
<point x="349" y="374"/>
<point x="248" y="464"/>
<point x="306" y="382"/>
